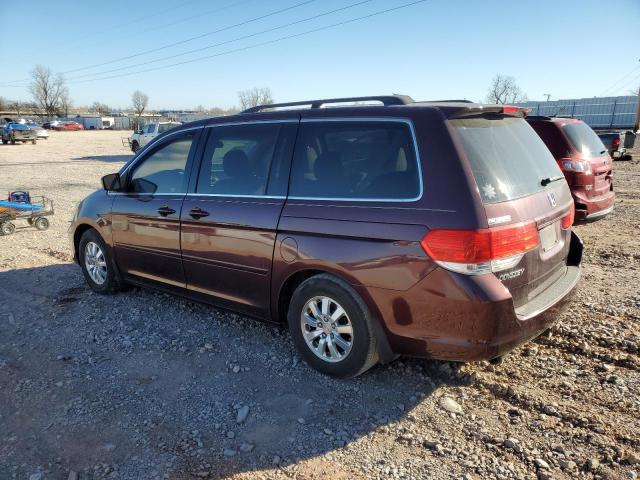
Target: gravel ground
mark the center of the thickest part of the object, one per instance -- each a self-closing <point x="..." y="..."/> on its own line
<point x="142" y="385"/>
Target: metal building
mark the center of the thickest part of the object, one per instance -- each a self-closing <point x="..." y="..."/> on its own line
<point x="598" y="112"/>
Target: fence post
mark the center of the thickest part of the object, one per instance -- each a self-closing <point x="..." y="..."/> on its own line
<point x="613" y="113"/>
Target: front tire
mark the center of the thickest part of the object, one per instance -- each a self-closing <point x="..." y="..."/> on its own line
<point x="135" y="146"/>
<point x="332" y="328"/>
<point x="96" y="263"/>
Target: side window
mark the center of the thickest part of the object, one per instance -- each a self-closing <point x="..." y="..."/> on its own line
<point x="238" y="159"/>
<point x="149" y="128"/>
<point x="360" y="160"/>
<point x="163" y="171"/>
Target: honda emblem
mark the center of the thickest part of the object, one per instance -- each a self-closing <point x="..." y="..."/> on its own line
<point x="552" y="198"/>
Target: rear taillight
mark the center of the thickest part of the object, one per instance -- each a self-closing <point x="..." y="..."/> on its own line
<point x="571" y="165"/>
<point x="510" y="109"/>
<point x="616" y="142"/>
<point x="486" y="250"/>
<point x="568" y="219"/>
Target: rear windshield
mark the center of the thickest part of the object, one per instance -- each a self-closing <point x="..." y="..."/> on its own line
<point x="584" y="139"/>
<point x="507" y="157"/>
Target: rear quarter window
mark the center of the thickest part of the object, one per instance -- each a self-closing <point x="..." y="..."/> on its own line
<point x="584" y="139"/>
<point x="506" y="155"/>
<point x="368" y="160"/>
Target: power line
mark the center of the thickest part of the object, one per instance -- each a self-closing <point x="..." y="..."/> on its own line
<point x="630" y="82"/>
<point x="613" y="85"/>
<point x="269" y="42"/>
<point x="107" y="30"/>
<point x="186" y="19"/>
<point x="197" y="37"/>
<point x="244" y="37"/>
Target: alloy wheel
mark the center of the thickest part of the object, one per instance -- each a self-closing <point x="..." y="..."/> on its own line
<point x="326" y="329"/>
<point x="95" y="263"/>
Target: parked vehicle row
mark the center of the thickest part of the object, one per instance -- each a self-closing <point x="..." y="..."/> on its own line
<point x="434" y="229"/>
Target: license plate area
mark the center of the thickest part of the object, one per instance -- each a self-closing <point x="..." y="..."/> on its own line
<point x="549" y="237"/>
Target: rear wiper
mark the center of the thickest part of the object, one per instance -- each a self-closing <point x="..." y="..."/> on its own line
<point x="546" y="181"/>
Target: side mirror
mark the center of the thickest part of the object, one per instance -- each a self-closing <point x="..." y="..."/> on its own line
<point x="111" y="182"/>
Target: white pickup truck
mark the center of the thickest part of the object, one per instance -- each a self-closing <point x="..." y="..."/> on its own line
<point x="151" y="130"/>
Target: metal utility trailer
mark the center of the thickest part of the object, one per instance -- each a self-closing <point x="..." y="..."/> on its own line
<point x="34" y="212"/>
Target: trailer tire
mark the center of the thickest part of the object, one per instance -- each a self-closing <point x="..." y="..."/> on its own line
<point x="7" y="228"/>
<point x="41" y="223"/>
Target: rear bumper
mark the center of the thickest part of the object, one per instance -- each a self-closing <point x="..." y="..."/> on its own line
<point x="456" y="317"/>
<point x="589" y="209"/>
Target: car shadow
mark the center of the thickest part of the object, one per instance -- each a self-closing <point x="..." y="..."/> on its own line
<point x="143" y="377"/>
<point x="106" y="158"/>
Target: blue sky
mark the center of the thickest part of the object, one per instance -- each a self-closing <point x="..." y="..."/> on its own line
<point x="433" y="50"/>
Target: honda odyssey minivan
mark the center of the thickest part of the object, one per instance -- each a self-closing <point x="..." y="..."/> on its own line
<point x="431" y="229"/>
<point x="583" y="159"/>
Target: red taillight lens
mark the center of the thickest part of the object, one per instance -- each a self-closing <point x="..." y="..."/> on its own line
<point x="477" y="246"/>
<point x="510" y="109"/>
<point x="568" y="219"/>
<point x="615" y="143"/>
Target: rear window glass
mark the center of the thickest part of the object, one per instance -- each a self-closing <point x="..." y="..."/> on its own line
<point x="584" y="139"/>
<point x="507" y="157"/>
<point x="355" y="160"/>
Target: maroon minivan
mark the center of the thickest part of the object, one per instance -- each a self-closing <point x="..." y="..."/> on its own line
<point x="583" y="159"/>
<point x="433" y="229"/>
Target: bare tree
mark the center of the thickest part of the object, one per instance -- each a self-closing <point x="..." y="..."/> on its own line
<point x="100" y="108"/>
<point x="16" y="106"/>
<point x="47" y="89"/>
<point x="140" y="101"/>
<point x="65" y="102"/>
<point x="504" y="89"/>
<point x="255" y="96"/>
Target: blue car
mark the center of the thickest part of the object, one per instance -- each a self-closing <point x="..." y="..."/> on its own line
<point x="18" y="132"/>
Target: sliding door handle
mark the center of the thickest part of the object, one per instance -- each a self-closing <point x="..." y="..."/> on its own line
<point x="197" y="213"/>
<point x="166" y="210"/>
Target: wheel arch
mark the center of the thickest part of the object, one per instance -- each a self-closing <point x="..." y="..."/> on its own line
<point x="385" y="353"/>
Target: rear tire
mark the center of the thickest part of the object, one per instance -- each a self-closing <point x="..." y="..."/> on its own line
<point x="331" y="327"/>
<point x="135" y="146"/>
<point x="7" y="228"/>
<point x="41" y="223"/>
<point x="93" y="252"/>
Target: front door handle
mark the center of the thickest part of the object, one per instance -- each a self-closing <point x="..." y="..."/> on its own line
<point x="197" y="212"/>
<point x="165" y="210"/>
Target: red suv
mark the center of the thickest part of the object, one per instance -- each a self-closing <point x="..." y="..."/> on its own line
<point x="583" y="159"/>
<point x="431" y="229"/>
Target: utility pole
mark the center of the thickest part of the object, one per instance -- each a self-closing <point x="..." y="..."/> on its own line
<point x="548" y="95"/>
<point x="636" y="126"/>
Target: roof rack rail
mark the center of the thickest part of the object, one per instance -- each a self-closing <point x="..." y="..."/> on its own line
<point x="447" y="101"/>
<point x="386" y="100"/>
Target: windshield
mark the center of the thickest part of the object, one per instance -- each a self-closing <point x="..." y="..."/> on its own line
<point x="584" y="139"/>
<point x="508" y="158"/>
